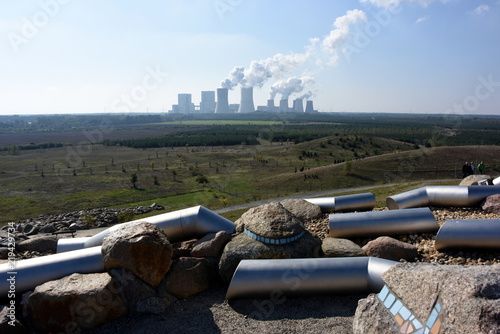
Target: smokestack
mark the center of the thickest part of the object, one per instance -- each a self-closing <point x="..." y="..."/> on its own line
<point x="284" y="105"/>
<point x="246" y="104"/>
<point x="309" y="106"/>
<point x="222" y="106"/>
<point x="298" y="106"/>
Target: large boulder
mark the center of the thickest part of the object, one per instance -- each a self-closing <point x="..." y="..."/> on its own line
<point x="445" y="299"/>
<point x="211" y="245"/>
<point x="473" y="180"/>
<point x="302" y="209"/>
<point x="140" y="247"/>
<point x="390" y="249"/>
<point x="338" y="247"/>
<point x="270" y="232"/>
<point x="189" y="276"/>
<point x="492" y="204"/>
<point x="74" y="303"/>
<point x="41" y="244"/>
<point x="9" y="322"/>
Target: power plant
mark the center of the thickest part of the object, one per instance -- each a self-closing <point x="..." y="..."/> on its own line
<point x="209" y="104"/>
<point x="222" y="106"/>
<point x="246" y="104"/>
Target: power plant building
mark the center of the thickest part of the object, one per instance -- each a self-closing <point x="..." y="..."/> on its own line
<point x="207" y="104"/>
<point x="246" y="105"/>
<point x="222" y="105"/>
<point x="184" y="104"/>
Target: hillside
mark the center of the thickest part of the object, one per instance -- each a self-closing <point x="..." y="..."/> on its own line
<point x="49" y="181"/>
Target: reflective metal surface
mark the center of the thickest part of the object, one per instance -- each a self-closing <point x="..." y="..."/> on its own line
<point x="469" y="233"/>
<point x="379" y="223"/>
<point x="467" y="196"/>
<point x="279" y="277"/>
<point x="177" y="225"/>
<point x="28" y="274"/>
<point x="357" y="202"/>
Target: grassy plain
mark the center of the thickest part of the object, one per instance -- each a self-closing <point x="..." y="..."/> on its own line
<point x="89" y="175"/>
<point x="74" y="178"/>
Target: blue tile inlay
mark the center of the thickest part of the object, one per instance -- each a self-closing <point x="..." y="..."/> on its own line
<point x="432" y="318"/>
<point x="383" y="293"/>
<point x="405" y="313"/>
<point x="438" y="307"/>
<point x="390" y="299"/>
<point x="395" y="308"/>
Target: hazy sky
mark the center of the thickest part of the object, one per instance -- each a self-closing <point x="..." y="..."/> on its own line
<point x="74" y="56"/>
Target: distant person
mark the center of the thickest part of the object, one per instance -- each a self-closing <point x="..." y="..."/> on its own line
<point x="465" y="168"/>
<point x="480" y="167"/>
<point x="472" y="168"/>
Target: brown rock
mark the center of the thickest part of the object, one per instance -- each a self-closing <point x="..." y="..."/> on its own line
<point x="188" y="276"/>
<point x="211" y="245"/>
<point x="272" y="221"/>
<point x="472" y="180"/>
<point x="492" y="204"/>
<point x="390" y="249"/>
<point x="337" y="247"/>
<point x="74" y="303"/>
<point x="39" y="244"/>
<point x="183" y="248"/>
<point x="141" y="248"/>
<point x="9" y="322"/>
<point x="302" y="209"/>
<point x="468" y="298"/>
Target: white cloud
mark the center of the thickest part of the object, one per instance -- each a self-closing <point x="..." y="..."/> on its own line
<point x="422" y="19"/>
<point x="339" y="36"/>
<point x="481" y="9"/>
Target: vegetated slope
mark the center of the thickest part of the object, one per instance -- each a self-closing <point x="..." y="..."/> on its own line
<point x="437" y="163"/>
<point x="87" y="176"/>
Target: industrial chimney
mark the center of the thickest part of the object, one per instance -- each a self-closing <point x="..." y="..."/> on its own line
<point x="222" y="106"/>
<point x="283" y="105"/>
<point x="246" y="104"/>
<point x="298" y="106"/>
<point x="309" y="106"/>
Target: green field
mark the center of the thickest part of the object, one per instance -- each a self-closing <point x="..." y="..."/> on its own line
<point x="89" y="175"/>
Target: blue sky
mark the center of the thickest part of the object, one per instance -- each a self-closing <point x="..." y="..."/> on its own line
<point x="421" y="56"/>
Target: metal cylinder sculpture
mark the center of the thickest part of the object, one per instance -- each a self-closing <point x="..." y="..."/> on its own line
<point x="461" y="196"/>
<point x="313" y="276"/>
<point x="378" y="223"/>
<point x="357" y="202"/>
<point x="177" y="225"/>
<point x="27" y="274"/>
<point x="469" y="233"/>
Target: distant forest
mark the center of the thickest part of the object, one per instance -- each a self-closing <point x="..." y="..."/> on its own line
<point x="418" y="129"/>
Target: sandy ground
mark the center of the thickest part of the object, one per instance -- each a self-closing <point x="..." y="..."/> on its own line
<point x="208" y="313"/>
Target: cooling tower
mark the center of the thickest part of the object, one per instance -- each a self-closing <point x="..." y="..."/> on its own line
<point x="309" y="106"/>
<point x="222" y="105"/>
<point x="298" y="106"/>
<point x="246" y="104"/>
<point x="283" y="105"/>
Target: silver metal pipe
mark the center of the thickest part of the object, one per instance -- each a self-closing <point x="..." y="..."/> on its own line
<point x="377" y="223"/>
<point x="21" y="276"/>
<point x="278" y="277"/>
<point x="177" y="225"/>
<point x="356" y="202"/>
<point x="469" y="233"/>
<point x="463" y="196"/>
<point x="496" y="181"/>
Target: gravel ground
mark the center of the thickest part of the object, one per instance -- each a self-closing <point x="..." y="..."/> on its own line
<point x="425" y="241"/>
<point x="209" y="312"/>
